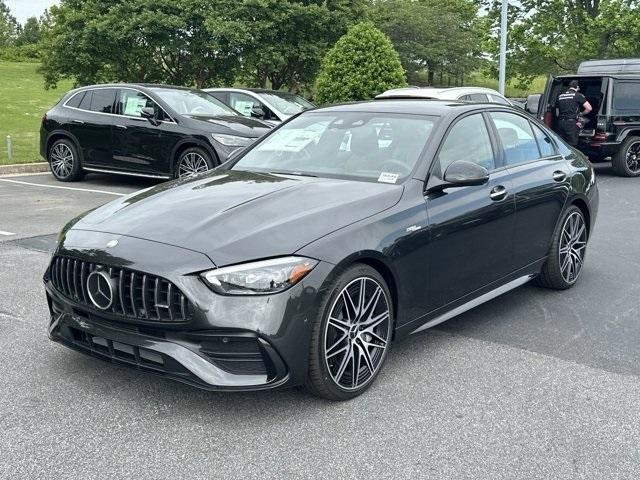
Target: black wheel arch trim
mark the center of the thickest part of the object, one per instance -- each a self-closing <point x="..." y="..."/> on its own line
<point x="60" y="133"/>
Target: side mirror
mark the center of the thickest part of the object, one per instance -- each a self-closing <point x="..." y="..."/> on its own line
<point x="148" y="113"/>
<point x="463" y="173"/>
<point x="533" y="101"/>
<point x="257" y="112"/>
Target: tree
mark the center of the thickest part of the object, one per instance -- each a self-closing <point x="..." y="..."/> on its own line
<point x="441" y="36"/>
<point x="29" y="33"/>
<point x="168" y="41"/>
<point x="362" y="64"/>
<point x="554" y="36"/>
<point x="8" y="26"/>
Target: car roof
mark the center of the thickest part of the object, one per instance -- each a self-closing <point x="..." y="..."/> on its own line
<point x="411" y="106"/>
<point x="599" y="75"/>
<point x="134" y="85"/>
<point x="434" y="92"/>
<point x="251" y="90"/>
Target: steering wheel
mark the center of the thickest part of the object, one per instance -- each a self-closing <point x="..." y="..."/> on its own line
<point x="396" y="167"/>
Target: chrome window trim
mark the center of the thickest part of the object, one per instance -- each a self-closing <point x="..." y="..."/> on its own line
<point x="115" y="114"/>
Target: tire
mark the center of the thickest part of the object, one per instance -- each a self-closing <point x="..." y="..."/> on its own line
<point x="626" y="162"/>
<point x="64" y="161"/>
<point x="343" y="331"/>
<point x="571" y="236"/>
<point x="192" y="161"/>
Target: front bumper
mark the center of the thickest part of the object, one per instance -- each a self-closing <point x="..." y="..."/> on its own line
<point x="228" y="343"/>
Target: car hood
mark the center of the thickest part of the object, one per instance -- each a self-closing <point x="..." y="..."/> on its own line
<point x="232" y="124"/>
<point x="235" y="216"/>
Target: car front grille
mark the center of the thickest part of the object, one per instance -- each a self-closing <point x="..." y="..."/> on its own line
<point x="136" y="296"/>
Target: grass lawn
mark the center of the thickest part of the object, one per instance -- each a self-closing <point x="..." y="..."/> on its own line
<point x="23" y="101"/>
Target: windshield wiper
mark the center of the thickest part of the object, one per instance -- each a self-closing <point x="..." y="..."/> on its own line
<point x="297" y="174"/>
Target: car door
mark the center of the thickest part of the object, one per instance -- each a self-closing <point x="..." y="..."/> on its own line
<point x="92" y="124"/>
<point x="540" y="183"/>
<point x="141" y="145"/>
<point x="471" y="227"/>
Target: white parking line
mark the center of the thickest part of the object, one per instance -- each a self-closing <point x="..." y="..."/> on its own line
<point x="63" y="188"/>
<point x="7" y="234"/>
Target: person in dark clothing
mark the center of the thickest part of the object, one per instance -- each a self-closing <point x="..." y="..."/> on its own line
<point x="568" y="106"/>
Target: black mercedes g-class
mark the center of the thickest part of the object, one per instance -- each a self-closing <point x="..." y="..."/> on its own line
<point x="612" y="128"/>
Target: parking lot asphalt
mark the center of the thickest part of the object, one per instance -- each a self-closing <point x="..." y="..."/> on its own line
<point x="535" y="384"/>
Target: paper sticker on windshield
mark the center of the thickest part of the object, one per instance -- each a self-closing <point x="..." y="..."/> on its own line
<point x="386" y="177"/>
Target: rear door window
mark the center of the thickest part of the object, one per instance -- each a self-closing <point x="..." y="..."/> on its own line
<point x="103" y="100"/>
<point x="626" y="96"/>
<point x="478" y="97"/>
<point x="545" y="144"/>
<point x="516" y="137"/>
<point x="498" y="99"/>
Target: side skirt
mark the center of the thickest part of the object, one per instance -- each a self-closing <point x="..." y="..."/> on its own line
<point x="474" y="302"/>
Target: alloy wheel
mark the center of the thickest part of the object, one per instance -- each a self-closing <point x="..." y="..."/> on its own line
<point x="62" y="160"/>
<point x="192" y="164"/>
<point x="573" y="245"/>
<point x="633" y="157"/>
<point x="357" y="333"/>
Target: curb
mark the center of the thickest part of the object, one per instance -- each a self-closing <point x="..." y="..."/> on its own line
<point x="24" y="168"/>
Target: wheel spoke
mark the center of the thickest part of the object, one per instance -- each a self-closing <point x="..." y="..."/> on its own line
<point x="345" y="361"/>
<point x="367" y="357"/>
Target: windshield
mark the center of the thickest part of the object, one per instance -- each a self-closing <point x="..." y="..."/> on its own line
<point x="287" y="103"/>
<point x="380" y="147"/>
<point x="192" y="102"/>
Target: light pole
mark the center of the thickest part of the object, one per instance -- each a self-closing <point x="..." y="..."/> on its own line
<point x="503" y="47"/>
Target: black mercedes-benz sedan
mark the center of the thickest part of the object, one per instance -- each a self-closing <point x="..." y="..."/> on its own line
<point x="145" y="130"/>
<point x="299" y="261"/>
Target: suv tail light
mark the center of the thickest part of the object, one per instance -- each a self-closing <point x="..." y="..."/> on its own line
<point x="601" y="123"/>
<point x="600" y="137"/>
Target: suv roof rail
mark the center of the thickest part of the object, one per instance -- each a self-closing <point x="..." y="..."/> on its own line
<point x="618" y="65"/>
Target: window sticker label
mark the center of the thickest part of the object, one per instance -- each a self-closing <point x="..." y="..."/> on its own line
<point x="244" y="107"/>
<point x="386" y="177"/>
<point x="134" y="105"/>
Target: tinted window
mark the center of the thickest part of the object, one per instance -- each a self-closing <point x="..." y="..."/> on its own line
<point x="626" y="96"/>
<point x="498" y="99"/>
<point x="516" y="137"/>
<point x="132" y="102"/>
<point x="192" y="102"/>
<point x="478" y="97"/>
<point x="85" y="104"/>
<point x="545" y="144"/>
<point x="75" y="100"/>
<point x="103" y="99"/>
<point x="467" y="140"/>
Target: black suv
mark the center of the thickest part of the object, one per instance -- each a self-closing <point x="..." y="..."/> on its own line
<point x="612" y="87"/>
<point x="145" y="130"/>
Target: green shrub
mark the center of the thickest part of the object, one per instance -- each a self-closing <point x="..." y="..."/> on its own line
<point x="362" y="64"/>
<point x="22" y="53"/>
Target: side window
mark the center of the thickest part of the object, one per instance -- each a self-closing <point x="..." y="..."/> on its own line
<point x="75" y="100"/>
<point x="242" y="103"/>
<point x="516" y="137"/>
<point x="478" y="97"/>
<point x="85" y="103"/>
<point x="545" y="144"/>
<point x="468" y="140"/>
<point x="498" y="99"/>
<point x="222" y="96"/>
<point x="132" y="102"/>
<point x="465" y="98"/>
<point x="103" y="99"/>
<point x="626" y="96"/>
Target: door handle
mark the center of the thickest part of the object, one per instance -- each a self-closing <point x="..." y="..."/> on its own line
<point x="79" y="122"/>
<point x="498" y="193"/>
<point x="559" y="175"/>
<point x="121" y="127"/>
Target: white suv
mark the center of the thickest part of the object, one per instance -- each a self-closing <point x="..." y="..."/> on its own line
<point x="465" y="94"/>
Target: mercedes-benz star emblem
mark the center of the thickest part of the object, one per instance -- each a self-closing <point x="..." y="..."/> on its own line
<point x="100" y="288"/>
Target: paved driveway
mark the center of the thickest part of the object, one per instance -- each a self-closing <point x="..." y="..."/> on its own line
<point x="535" y="384"/>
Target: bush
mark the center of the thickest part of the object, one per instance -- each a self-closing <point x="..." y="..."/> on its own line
<point x="362" y="64"/>
<point x="22" y="53"/>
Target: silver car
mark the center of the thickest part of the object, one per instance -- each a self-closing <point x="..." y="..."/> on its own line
<point x="272" y="106"/>
<point x="466" y="94"/>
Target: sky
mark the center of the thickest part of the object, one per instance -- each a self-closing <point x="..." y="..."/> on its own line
<point x="23" y="9"/>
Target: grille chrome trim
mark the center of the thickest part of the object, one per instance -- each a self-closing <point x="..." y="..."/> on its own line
<point x="140" y="296"/>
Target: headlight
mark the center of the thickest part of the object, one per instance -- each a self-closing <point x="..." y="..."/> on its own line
<point x="264" y="277"/>
<point x="232" y="140"/>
